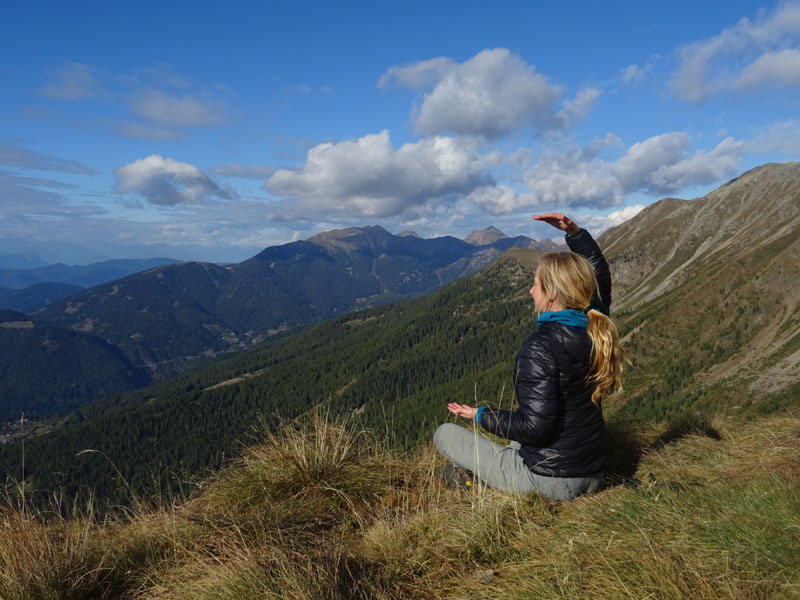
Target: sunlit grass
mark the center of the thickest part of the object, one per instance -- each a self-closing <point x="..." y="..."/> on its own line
<point x="326" y="510"/>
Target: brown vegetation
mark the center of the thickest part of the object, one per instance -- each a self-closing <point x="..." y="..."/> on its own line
<point x="326" y="511"/>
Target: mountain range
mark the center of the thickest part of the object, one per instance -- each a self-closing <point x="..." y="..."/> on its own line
<point x="79" y="275"/>
<point x="705" y="299"/>
<point x="169" y="318"/>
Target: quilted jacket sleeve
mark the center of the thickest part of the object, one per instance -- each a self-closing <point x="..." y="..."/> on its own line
<point x="536" y="420"/>
<point x="583" y="243"/>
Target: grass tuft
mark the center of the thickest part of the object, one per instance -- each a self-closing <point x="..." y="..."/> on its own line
<point x="325" y="510"/>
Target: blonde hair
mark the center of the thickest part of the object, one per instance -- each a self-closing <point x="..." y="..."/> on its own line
<point x="572" y="278"/>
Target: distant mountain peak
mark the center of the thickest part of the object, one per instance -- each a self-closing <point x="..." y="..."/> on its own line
<point x="347" y="239"/>
<point x="485" y="236"/>
<point x="409" y="234"/>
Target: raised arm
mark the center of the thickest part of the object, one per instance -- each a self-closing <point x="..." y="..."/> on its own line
<point x="581" y="242"/>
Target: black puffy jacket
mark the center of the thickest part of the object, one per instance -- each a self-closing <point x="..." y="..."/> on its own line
<point x="560" y="430"/>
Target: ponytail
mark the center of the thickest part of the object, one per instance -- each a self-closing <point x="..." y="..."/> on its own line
<point x="606" y="368"/>
<point x="572" y="277"/>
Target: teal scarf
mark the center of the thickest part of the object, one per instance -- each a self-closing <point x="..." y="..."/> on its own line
<point x="571" y="317"/>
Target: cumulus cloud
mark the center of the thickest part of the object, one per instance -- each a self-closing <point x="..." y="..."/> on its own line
<point x="165" y="182"/>
<point x="20" y="157"/>
<point x="573" y="178"/>
<point x="368" y="177"/>
<point x="181" y="111"/>
<point x="700" y="168"/>
<point x="579" y="177"/>
<point x="597" y="224"/>
<point x="73" y="81"/>
<point x="645" y="158"/>
<point x="750" y="55"/>
<point x="490" y="95"/>
<point x="499" y="199"/>
<point x="243" y="171"/>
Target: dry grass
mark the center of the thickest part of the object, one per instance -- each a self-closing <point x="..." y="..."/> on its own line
<point x="324" y="512"/>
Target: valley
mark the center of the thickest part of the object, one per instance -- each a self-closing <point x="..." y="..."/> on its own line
<point x="701" y="327"/>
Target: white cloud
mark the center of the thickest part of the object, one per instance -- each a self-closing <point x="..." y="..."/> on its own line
<point x="635" y="168"/>
<point x="750" y="55"/>
<point x="73" y="81"/>
<point x="499" y="199"/>
<point x="632" y="74"/>
<point x="664" y="164"/>
<point x="700" y="168"/>
<point x="368" y="177"/>
<point x="178" y="111"/>
<point x="490" y="95"/>
<point x="783" y="136"/>
<point x="578" y="177"/>
<point x="574" y="178"/>
<point x="418" y="75"/>
<point x="20" y="157"/>
<point x="781" y="69"/>
<point x="165" y="182"/>
<point x="243" y="171"/>
<point x="635" y="74"/>
<point x="576" y="110"/>
<point x="596" y="224"/>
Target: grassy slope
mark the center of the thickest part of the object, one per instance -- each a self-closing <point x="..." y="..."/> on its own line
<point x="328" y="512"/>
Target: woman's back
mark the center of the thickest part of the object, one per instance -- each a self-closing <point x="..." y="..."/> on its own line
<point x="550" y="380"/>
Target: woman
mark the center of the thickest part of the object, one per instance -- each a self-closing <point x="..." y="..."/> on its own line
<point x="557" y="434"/>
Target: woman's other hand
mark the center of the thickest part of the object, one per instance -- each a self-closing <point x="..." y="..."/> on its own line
<point x="462" y="410"/>
<point x="559" y="221"/>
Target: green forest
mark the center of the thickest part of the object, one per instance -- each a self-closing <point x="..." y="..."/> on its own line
<point x="394" y="368"/>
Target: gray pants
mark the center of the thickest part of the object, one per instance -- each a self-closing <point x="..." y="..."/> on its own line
<point x="502" y="467"/>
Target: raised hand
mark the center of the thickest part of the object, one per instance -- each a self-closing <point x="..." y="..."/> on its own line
<point x="559" y="221"/>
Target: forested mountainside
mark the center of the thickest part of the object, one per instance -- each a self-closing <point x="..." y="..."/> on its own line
<point x="171" y="318"/>
<point x="396" y="365"/>
<point x="69" y="366"/>
<point x="36" y="295"/>
<point x="165" y="318"/>
<point x="702" y="332"/>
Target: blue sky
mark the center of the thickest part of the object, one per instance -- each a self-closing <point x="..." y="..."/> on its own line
<point x="210" y="131"/>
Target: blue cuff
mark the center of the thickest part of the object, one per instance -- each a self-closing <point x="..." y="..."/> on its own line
<point x="478" y="414"/>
